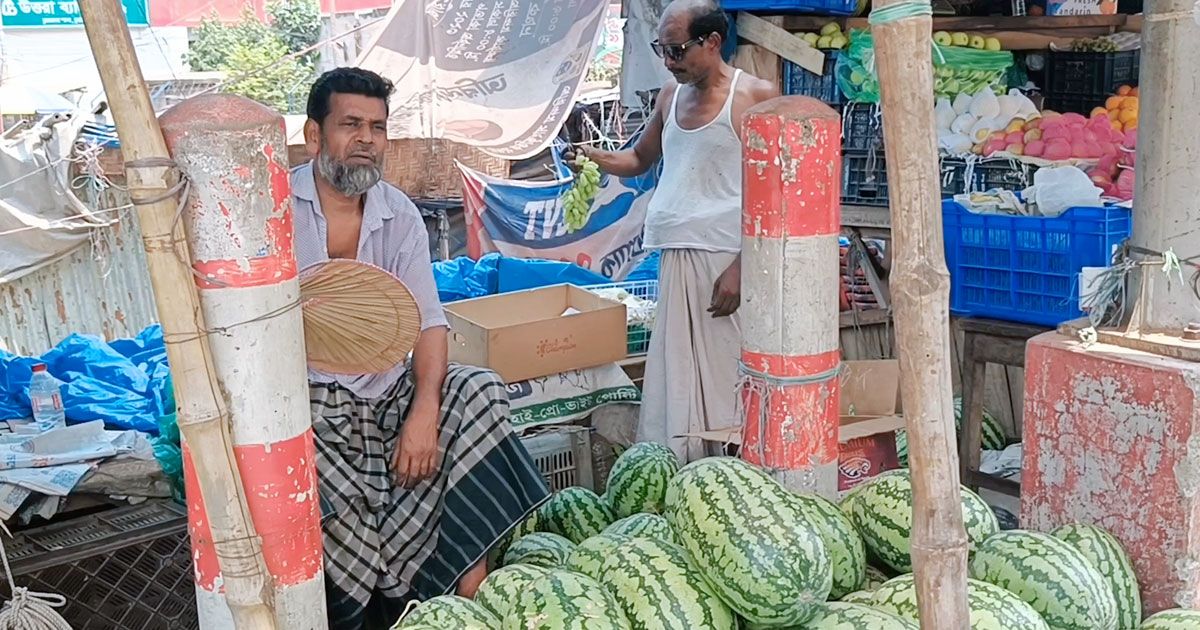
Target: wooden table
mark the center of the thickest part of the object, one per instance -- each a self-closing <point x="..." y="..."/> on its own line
<point x="986" y="341"/>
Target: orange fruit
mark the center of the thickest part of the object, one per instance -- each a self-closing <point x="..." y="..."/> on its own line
<point x="1128" y="115"/>
<point x="1124" y="90"/>
<point x="1133" y="92"/>
<point x="1098" y="112"/>
<point x="1130" y="126"/>
<point x="1116" y="124"/>
<point x="1114" y="102"/>
<point x="1130" y="102"/>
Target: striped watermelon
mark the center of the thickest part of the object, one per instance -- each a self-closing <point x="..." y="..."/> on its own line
<point x="875" y="578"/>
<point x="418" y="626"/>
<point x="992" y="608"/>
<point x="1174" y="619"/>
<point x="866" y="598"/>
<point x="658" y="588"/>
<point x="527" y="526"/>
<point x="843" y="616"/>
<point x="994" y="437"/>
<point x="882" y="512"/>
<point x="643" y="526"/>
<point x="565" y="600"/>
<point x="500" y="589"/>
<point x="638" y="479"/>
<point x="450" y="611"/>
<point x="739" y="527"/>
<point x="588" y="558"/>
<point x="1111" y="561"/>
<point x="1050" y="575"/>
<point x="544" y="549"/>
<point x="575" y="513"/>
<point x="845" y="546"/>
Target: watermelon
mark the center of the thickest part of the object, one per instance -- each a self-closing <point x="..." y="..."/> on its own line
<point x="875" y="578"/>
<point x="994" y="438"/>
<point x="638" y="479"/>
<point x="739" y="528"/>
<point x="589" y="556"/>
<point x="1050" y="575"/>
<point x="565" y="600"/>
<point x="575" y="513"/>
<point x="1111" y="561"/>
<point x="658" y="588"/>
<point x="844" y="616"/>
<point x="501" y="587"/>
<point x="543" y="549"/>
<point x="845" y="546"/>
<point x="417" y="626"/>
<point x="527" y="526"/>
<point x="1174" y="619"/>
<point x="643" y="526"/>
<point x="992" y="608"/>
<point x="882" y="512"/>
<point x="866" y="598"/>
<point x="449" y="611"/>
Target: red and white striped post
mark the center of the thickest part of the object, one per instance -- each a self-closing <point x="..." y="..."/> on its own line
<point x="239" y="224"/>
<point x="791" y="216"/>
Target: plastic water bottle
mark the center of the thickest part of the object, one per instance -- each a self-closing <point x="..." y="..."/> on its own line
<point x="45" y="394"/>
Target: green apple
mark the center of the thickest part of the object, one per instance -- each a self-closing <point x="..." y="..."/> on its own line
<point x="811" y="38"/>
<point x="977" y="42"/>
<point x="960" y="39"/>
<point x="943" y="38"/>
<point x="824" y="41"/>
<point x="992" y="44"/>
<point x="838" y="41"/>
<point x="831" y="28"/>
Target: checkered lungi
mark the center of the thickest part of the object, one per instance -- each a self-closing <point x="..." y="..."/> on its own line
<point x="384" y="545"/>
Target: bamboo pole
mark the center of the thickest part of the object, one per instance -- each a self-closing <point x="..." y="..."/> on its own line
<point x="921" y="296"/>
<point x="202" y="412"/>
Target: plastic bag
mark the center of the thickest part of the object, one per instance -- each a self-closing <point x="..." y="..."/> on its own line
<point x="1054" y="190"/>
<point x="956" y="69"/>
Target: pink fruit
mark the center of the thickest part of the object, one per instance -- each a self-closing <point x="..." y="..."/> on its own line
<point x="1015" y="148"/>
<point x="1036" y="123"/>
<point x="1114" y="136"/>
<point x="1057" y="150"/>
<point x="1088" y="135"/>
<point x="1054" y="132"/>
<point x="994" y="146"/>
<point x="1125" y="183"/>
<point x="1071" y="118"/>
<point x="1079" y="149"/>
<point x="1107" y="165"/>
<point x="1130" y="139"/>
<point x="1099" y="179"/>
<point x="1035" y="148"/>
<point x="1031" y="135"/>
<point x="1128" y="158"/>
<point x="1109" y="149"/>
<point x="1015" y="137"/>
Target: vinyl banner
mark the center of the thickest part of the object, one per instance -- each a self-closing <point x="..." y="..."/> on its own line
<point x="500" y="75"/>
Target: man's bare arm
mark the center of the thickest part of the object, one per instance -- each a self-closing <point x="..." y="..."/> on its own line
<point x="646" y="152"/>
<point x="429" y="367"/>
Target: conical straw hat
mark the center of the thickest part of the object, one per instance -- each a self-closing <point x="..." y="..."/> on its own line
<point x="358" y="318"/>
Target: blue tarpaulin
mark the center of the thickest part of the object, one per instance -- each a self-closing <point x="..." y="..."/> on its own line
<point x="463" y="278"/>
<point x="125" y="383"/>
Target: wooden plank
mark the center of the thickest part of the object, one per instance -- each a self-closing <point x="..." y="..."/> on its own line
<point x="866" y="217"/>
<point x="989" y="23"/>
<point x="1163" y="345"/>
<point x="779" y="41"/>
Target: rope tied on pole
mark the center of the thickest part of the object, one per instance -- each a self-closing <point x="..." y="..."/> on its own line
<point x="752" y="381"/>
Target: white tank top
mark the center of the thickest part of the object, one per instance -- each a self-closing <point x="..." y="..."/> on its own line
<point x="698" y="201"/>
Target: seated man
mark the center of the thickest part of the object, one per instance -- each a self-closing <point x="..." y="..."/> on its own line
<point x="420" y="464"/>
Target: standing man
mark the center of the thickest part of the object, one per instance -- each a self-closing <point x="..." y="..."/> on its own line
<point x="695" y="218"/>
<point x="419" y="464"/>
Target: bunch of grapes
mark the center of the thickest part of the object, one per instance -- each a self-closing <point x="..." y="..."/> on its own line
<point x="577" y="202"/>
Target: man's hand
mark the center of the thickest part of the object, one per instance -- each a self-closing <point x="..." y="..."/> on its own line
<point x="416" y="457"/>
<point x="727" y="292"/>
<point x="573" y="151"/>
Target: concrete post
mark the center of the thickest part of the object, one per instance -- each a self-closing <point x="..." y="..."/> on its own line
<point x="239" y="224"/>
<point x="791" y="216"/>
<point x="1165" y="212"/>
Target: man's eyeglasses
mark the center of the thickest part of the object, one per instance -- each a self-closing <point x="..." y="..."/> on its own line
<point x="674" y="52"/>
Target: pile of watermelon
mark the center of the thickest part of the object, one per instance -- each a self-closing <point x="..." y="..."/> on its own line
<point x="719" y="545"/>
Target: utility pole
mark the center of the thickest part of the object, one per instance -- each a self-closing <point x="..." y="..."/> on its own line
<point x="920" y="285"/>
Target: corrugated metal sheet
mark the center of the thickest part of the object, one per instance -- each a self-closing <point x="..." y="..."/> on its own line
<point x="101" y="288"/>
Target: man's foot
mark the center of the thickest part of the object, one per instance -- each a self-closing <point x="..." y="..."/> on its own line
<point x="471" y="580"/>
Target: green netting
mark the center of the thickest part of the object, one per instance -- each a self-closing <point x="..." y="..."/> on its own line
<point x="955" y="70"/>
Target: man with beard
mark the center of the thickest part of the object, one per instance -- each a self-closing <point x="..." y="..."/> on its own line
<point x="419" y="464"/>
<point x="695" y="219"/>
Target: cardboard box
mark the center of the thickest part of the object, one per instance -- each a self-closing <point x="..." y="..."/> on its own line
<point x="870" y="414"/>
<point x="524" y="335"/>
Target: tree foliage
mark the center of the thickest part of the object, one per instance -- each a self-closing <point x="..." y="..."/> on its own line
<point x="252" y="54"/>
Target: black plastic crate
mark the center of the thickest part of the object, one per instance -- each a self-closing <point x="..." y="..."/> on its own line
<point x="824" y="87"/>
<point x="857" y="185"/>
<point x="986" y="174"/>
<point x="862" y="127"/>
<point x="1080" y="81"/>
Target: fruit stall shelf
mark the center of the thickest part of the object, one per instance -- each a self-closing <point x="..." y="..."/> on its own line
<point x="818" y="7"/>
<point x="800" y="82"/>
<point x="1080" y="81"/>
<point x="985" y="174"/>
<point x="1014" y="33"/>
<point x="1025" y="269"/>
<point x="864" y="178"/>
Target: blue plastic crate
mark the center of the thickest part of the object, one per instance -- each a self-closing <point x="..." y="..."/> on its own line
<point x="821" y="7"/>
<point x="824" y="87"/>
<point x="1025" y="269"/>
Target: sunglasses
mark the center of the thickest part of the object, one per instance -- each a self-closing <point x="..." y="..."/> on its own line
<point x="674" y="52"/>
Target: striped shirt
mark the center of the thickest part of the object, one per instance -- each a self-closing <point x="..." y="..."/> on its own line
<point x="393" y="238"/>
